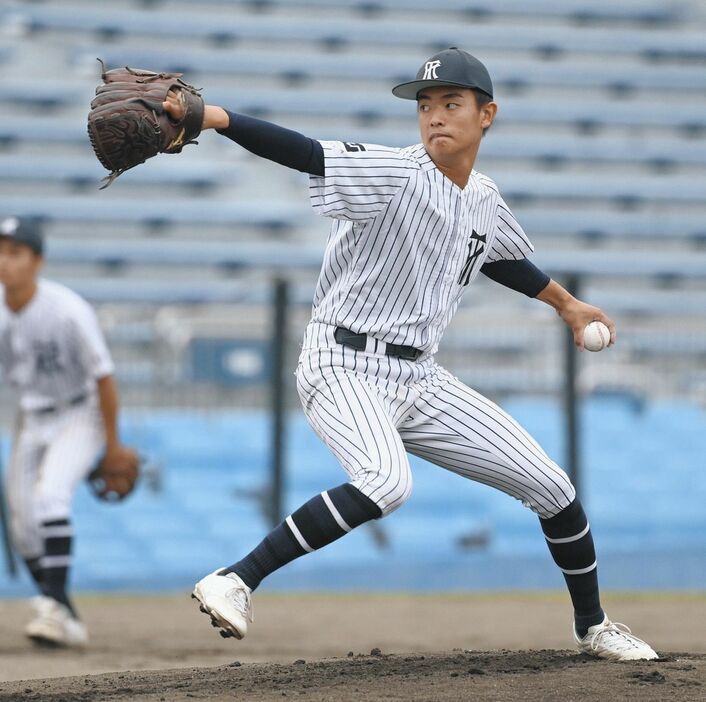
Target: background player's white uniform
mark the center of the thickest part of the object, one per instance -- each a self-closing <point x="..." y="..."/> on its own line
<point x="52" y="351"/>
<point x="405" y="243"/>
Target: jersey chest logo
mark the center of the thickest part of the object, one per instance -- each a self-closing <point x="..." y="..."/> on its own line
<point x="476" y="246"/>
<point x="46" y="355"/>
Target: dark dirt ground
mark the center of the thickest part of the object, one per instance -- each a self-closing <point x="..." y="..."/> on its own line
<point x="499" y="675"/>
<point x="507" y="646"/>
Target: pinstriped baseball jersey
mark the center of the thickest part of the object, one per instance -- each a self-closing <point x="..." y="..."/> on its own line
<point x="405" y="241"/>
<point x="52" y="350"/>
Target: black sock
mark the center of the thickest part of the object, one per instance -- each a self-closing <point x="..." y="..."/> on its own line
<point x="318" y="522"/>
<point x="56" y="561"/>
<point x="570" y="542"/>
<point x="35" y="570"/>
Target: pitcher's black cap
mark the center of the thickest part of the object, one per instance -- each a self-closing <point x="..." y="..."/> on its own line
<point x="449" y="67"/>
<point x="23" y="231"/>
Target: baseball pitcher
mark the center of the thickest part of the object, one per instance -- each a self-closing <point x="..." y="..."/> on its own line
<point x="411" y="229"/>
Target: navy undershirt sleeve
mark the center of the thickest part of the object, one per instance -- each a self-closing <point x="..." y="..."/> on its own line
<point x="522" y="276"/>
<point x="283" y="146"/>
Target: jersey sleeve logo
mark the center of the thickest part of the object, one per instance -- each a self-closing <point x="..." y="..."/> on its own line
<point x="351" y="146"/>
<point x="476" y="246"/>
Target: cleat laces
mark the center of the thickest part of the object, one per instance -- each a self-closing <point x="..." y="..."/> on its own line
<point x="621" y="638"/>
<point x="239" y="597"/>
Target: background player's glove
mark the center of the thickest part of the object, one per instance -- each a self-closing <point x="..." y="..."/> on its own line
<point x="127" y="123"/>
<point x="114" y="477"/>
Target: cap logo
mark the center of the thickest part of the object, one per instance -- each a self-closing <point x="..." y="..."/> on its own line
<point x="9" y="226"/>
<point x="430" y="70"/>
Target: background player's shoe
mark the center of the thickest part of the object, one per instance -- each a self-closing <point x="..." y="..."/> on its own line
<point x="615" y="642"/>
<point x="226" y="599"/>
<point x="39" y="605"/>
<point x="56" y="626"/>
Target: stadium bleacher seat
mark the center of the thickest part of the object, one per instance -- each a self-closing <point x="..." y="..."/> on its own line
<point x="88" y="171"/>
<point x="659" y="152"/>
<point x="379" y="104"/>
<point x="635" y="10"/>
<point x="383" y="30"/>
<point x="265" y="255"/>
<point x="567" y="73"/>
<point x="266" y="214"/>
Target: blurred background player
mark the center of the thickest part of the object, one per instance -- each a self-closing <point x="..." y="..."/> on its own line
<point x="53" y="352"/>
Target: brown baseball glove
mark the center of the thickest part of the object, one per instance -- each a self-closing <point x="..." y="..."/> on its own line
<point x="114" y="478"/>
<point x="127" y="123"/>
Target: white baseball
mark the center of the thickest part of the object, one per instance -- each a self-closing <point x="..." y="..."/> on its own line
<point x="596" y="336"/>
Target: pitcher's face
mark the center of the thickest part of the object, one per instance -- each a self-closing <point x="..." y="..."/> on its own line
<point x="450" y="121"/>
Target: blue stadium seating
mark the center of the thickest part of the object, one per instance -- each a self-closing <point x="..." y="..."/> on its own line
<point x="652" y="11"/>
<point x="658" y="43"/>
<point x="552" y="149"/>
<point x="508" y="73"/>
<point x="642" y="486"/>
<point x="87" y="170"/>
<point x="589" y="151"/>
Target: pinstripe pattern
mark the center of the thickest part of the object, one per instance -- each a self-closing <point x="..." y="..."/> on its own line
<point x="372" y="409"/>
<point x="397" y="258"/>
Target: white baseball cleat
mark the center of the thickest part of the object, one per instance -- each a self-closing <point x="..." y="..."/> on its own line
<point x="226" y="598"/>
<point x="56" y="626"/>
<point x="615" y="642"/>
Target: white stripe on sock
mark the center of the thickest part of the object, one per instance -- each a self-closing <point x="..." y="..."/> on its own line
<point x="298" y="535"/>
<point x="55" y="561"/>
<point x="336" y="514"/>
<point x="569" y="539"/>
<point x="51" y="532"/>
<point x="580" y="571"/>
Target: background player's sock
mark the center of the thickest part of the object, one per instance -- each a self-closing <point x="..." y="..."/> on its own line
<point x="568" y="536"/>
<point x="318" y="522"/>
<point x="56" y="560"/>
<point x="35" y="570"/>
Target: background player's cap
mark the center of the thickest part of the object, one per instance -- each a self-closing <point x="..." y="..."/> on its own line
<point x="449" y="67"/>
<point x="24" y="231"/>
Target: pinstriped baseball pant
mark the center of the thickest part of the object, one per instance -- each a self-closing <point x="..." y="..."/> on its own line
<point x="50" y="456"/>
<point x="371" y="410"/>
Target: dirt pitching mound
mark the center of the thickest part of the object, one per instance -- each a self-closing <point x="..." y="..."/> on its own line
<point x="499" y="675"/>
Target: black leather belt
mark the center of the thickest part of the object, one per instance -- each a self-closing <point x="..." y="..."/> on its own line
<point x="73" y="402"/>
<point x="346" y="337"/>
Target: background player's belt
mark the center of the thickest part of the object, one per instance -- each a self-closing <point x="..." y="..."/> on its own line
<point x="79" y="399"/>
<point x="346" y="337"/>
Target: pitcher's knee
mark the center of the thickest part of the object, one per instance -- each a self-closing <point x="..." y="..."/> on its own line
<point x="551" y="495"/>
<point x="387" y="494"/>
